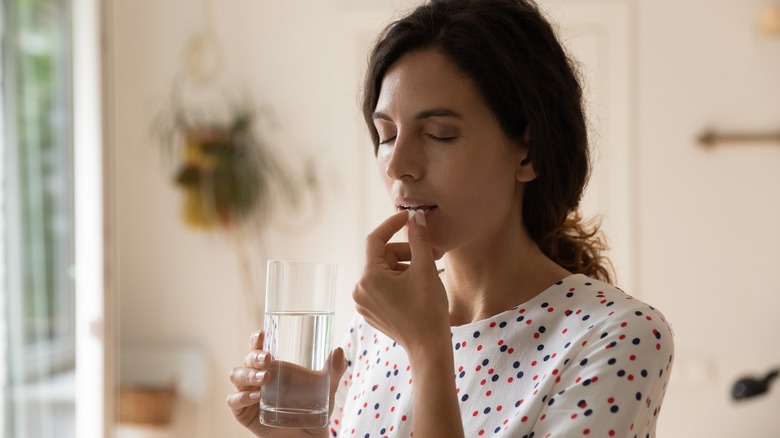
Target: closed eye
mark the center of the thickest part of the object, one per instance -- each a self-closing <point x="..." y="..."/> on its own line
<point x="386" y="141"/>
<point x="441" y="139"/>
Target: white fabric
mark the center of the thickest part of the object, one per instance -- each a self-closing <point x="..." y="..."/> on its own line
<point x="580" y="359"/>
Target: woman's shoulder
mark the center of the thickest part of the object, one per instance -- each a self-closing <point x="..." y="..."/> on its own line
<point x="610" y="310"/>
<point x="607" y="300"/>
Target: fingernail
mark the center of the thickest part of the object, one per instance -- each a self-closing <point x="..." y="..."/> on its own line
<point x="419" y="217"/>
<point x="259" y="376"/>
<point x="254" y="395"/>
<point x="261" y="356"/>
<point x="256" y="336"/>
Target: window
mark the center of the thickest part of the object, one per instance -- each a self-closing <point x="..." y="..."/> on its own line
<point x="37" y="216"/>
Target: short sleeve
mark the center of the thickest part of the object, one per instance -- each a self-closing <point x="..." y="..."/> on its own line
<point x="614" y="385"/>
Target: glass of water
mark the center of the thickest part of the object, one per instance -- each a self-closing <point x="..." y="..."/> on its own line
<point x="298" y="326"/>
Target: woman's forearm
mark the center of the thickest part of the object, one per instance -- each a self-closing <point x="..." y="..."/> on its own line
<point x="436" y="409"/>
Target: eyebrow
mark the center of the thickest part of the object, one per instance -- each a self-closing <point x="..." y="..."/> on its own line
<point x="435" y="112"/>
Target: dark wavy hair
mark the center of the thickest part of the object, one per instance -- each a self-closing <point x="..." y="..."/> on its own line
<point x="513" y="55"/>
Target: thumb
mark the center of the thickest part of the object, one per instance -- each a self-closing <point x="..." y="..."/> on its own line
<point x="420" y="241"/>
<point x="338" y="366"/>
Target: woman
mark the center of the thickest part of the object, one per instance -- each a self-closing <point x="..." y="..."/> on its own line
<point x="476" y="116"/>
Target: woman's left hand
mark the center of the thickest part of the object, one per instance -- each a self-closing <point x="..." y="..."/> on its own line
<point x="406" y="302"/>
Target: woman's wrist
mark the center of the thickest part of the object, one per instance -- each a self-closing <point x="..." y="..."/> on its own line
<point x="436" y="409"/>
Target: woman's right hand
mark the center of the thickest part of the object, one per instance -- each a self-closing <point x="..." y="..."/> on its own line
<point x="249" y="378"/>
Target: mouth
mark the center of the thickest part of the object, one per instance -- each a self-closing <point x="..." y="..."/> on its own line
<point x="425" y="208"/>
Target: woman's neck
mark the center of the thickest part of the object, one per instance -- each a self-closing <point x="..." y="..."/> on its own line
<point x="482" y="282"/>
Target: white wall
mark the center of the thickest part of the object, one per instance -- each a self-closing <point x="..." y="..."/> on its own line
<point x="710" y="219"/>
<point x="179" y="286"/>
<point x="707" y="226"/>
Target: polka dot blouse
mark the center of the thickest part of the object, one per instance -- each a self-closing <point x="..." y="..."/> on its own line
<point x="580" y="359"/>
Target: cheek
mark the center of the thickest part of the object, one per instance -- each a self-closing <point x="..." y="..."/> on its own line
<point x="381" y="169"/>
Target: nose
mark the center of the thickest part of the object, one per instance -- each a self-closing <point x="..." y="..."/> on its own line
<point x="405" y="159"/>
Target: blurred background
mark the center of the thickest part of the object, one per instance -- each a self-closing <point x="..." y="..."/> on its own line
<point x="156" y="153"/>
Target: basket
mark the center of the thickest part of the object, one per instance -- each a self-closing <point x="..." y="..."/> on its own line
<point x="146" y="406"/>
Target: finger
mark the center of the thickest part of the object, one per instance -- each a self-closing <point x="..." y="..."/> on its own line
<point x="257" y="359"/>
<point x="256" y="340"/>
<point x="245" y="379"/>
<point x="397" y="252"/>
<point x="420" y="242"/>
<point x="377" y="239"/>
<point x="242" y="399"/>
<point x="337" y="369"/>
<point x="338" y="366"/>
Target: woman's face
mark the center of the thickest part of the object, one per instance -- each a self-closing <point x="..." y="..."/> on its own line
<point x="441" y="149"/>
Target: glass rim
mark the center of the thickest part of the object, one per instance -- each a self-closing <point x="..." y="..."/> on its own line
<point x="296" y="262"/>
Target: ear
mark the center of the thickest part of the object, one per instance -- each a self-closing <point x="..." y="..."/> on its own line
<point x="525" y="167"/>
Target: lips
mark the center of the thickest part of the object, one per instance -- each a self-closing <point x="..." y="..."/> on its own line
<point x="414" y="204"/>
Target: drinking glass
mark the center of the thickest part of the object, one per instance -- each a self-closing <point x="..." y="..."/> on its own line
<point x="298" y="335"/>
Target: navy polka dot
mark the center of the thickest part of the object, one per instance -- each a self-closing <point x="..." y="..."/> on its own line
<point x="513" y="371"/>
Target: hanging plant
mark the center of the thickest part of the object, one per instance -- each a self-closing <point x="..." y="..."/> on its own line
<point x="228" y="176"/>
<point x="231" y="181"/>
